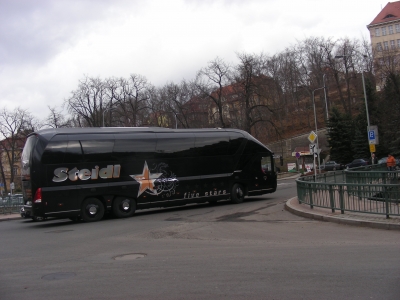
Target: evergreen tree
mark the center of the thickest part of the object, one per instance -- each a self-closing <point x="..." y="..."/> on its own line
<point x="360" y="144"/>
<point x="340" y="135"/>
<point x="390" y="133"/>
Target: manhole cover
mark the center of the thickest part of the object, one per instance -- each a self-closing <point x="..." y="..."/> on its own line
<point x="130" y="256"/>
<point x="58" y="276"/>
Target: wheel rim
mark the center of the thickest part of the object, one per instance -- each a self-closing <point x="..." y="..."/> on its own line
<point x="125" y="205"/>
<point x="239" y="192"/>
<point x="92" y="209"/>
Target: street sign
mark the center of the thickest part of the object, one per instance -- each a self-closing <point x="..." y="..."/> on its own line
<point x="371" y="137"/>
<point x="312" y="136"/>
<point x="372" y="148"/>
<point x="298" y="155"/>
<point x="312" y="148"/>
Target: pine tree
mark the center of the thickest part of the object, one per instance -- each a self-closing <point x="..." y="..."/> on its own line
<point x="340" y="136"/>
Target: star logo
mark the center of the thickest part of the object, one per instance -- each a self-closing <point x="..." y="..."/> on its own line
<point x="146" y="180"/>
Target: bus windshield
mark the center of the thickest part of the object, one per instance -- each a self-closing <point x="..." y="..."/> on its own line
<point x="26" y="156"/>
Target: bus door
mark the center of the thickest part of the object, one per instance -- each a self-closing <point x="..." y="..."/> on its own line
<point x="263" y="173"/>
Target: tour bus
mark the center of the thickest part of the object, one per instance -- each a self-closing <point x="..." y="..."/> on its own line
<point x="83" y="173"/>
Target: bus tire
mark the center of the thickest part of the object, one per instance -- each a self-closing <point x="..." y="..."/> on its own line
<point x="124" y="207"/>
<point x="237" y="195"/>
<point x="92" y="210"/>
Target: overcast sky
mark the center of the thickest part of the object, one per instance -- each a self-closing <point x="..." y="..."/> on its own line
<point x="47" y="46"/>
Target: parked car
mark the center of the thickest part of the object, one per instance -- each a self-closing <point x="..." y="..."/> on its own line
<point x="357" y="163"/>
<point x="333" y="166"/>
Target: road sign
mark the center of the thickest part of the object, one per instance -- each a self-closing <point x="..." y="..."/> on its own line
<point x="312" y="136"/>
<point x="371" y="135"/>
<point x="372" y="148"/>
<point x="312" y="148"/>
<point x="298" y="155"/>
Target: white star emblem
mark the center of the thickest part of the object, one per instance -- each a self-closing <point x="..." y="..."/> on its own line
<point x="146" y="180"/>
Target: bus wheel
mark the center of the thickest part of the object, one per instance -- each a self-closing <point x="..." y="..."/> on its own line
<point x="237" y="195"/>
<point x="92" y="210"/>
<point x="124" y="207"/>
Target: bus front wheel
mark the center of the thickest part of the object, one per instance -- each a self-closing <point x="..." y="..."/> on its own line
<point x="237" y="195"/>
<point x="124" y="207"/>
<point x="92" y="210"/>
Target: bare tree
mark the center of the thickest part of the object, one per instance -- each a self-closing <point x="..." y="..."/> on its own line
<point x="211" y="82"/>
<point x="89" y="101"/>
<point x="56" y="119"/>
<point x="14" y="126"/>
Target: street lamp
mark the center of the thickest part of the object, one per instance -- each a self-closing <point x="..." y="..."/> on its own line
<point x="365" y="93"/>
<point x="316" y="130"/>
<point x="107" y="109"/>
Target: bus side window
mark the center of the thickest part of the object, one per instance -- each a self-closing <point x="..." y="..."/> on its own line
<point x="235" y="141"/>
<point x="175" y="145"/>
<point x="97" y="150"/>
<point x="54" y="152"/>
<point x="129" y="146"/>
<point x="74" y="152"/>
<point x="211" y="144"/>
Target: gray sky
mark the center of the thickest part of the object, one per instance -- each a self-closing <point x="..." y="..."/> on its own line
<point x="46" y="46"/>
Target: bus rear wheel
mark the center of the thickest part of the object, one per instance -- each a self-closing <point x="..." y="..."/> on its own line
<point x="237" y="195"/>
<point x="92" y="210"/>
<point x="124" y="207"/>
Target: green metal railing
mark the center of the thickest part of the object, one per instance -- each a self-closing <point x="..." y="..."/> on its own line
<point x="369" y="189"/>
<point x="10" y="204"/>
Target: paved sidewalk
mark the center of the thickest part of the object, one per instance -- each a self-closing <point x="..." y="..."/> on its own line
<point x="7" y="217"/>
<point x="348" y="218"/>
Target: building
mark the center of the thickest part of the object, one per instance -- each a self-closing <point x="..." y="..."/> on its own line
<point x="385" y="28"/>
<point x="10" y="174"/>
<point x="385" y="39"/>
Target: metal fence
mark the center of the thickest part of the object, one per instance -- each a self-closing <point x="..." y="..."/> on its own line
<point x="11" y="204"/>
<point x="368" y="189"/>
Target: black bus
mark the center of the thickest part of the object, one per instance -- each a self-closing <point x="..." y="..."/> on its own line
<point x="82" y="173"/>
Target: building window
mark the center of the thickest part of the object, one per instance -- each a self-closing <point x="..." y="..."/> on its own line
<point x="378" y="32"/>
<point x="392" y="44"/>
<point x="386" y="45"/>
<point x="383" y="30"/>
<point x="379" y="47"/>
<point x="15" y="170"/>
<point x="398" y="43"/>
<point x="390" y="29"/>
<point x="397" y="27"/>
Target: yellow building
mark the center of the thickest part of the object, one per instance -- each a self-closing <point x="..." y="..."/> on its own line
<point x="385" y="38"/>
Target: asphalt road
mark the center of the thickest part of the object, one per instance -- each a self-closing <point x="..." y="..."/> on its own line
<point x="254" y="250"/>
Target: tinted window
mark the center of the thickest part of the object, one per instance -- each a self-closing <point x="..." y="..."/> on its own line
<point x="236" y="140"/>
<point x="175" y="144"/>
<point x="74" y="153"/>
<point x="54" y="152"/>
<point x="212" y="144"/>
<point x="97" y="150"/>
<point x="134" y="145"/>
<point x="26" y="155"/>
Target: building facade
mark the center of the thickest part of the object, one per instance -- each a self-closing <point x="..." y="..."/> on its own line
<point x="385" y="41"/>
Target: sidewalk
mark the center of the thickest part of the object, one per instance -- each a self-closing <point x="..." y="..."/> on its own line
<point x="348" y="218"/>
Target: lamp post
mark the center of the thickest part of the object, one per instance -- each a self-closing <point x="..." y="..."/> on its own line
<point x="106" y="109"/>
<point x="326" y="101"/>
<point x="316" y="130"/>
<point x="365" y="93"/>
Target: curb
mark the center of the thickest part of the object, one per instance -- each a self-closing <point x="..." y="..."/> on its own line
<point x="10" y="217"/>
<point x="327" y="218"/>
